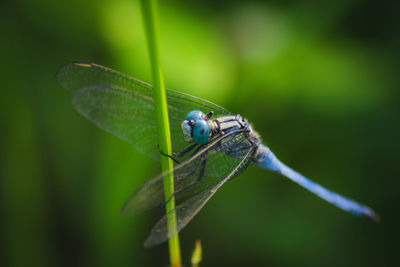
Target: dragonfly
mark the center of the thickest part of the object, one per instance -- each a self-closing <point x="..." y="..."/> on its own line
<point x="212" y="145"/>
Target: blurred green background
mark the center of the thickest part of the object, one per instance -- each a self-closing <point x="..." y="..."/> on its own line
<point x="319" y="81"/>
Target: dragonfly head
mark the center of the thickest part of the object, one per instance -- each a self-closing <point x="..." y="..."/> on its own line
<point x="195" y="128"/>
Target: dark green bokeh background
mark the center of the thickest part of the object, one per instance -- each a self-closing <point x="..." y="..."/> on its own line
<point x="320" y="82"/>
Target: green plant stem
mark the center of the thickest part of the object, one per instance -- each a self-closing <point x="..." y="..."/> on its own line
<point x="150" y="19"/>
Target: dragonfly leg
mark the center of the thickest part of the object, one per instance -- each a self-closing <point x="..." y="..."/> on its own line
<point x="198" y="179"/>
<point x="166" y="155"/>
<point x="193" y="168"/>
<point x="179" y="176"/>
<point x="202" y="159"/>
<point x="178" y="155"/>
<point x="202" y="169"/>
<point x="184" y="152"/>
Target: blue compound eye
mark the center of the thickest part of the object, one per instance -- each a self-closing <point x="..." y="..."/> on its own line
<point x="201" y="132"/>
<point x="195" y="115"/>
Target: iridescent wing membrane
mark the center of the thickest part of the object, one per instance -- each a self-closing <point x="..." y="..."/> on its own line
<point x="124" y="107"/>
<point x="191" y="177"/>
<point x="191" y="206"/>
<point x="191" y="192"/>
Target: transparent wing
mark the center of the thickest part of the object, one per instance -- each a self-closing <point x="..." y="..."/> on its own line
<point x="193" y="176"/>
<point x="186" y="211"/>
<point x="124" y="106"/>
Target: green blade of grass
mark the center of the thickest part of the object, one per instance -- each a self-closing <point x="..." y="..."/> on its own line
<point x="150" y="19"/>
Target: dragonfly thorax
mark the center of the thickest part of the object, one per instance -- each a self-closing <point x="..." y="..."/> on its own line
<point x="225" y="124"/>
